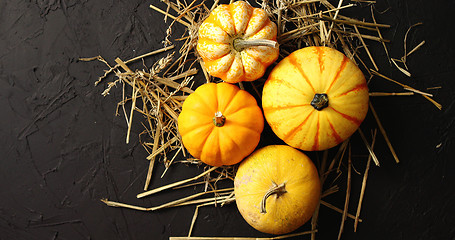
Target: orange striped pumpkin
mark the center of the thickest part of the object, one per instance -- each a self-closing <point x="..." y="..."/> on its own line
<point x="315" y="98"/>
<point x="237" y="42"/>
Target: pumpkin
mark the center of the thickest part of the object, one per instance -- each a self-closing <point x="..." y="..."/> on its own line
<point x="277" y="189"/>
<point x="220" y="124"/>
<point x="315" y="98"/>
<point x="237" y="42"/>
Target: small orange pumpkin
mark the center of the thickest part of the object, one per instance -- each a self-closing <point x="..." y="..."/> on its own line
<point x="237" y="42"/>
<point x="277" y="189"/>
<point x="220" y="124"/>
<point x="315" y="98"/>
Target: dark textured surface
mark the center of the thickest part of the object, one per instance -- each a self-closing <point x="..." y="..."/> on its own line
<point x="63" y="149"/>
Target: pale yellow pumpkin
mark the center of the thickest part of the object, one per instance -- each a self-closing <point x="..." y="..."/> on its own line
<point x="237" y="42"/>
<point x="277" y="189"/>
<point x="315" y="98"/>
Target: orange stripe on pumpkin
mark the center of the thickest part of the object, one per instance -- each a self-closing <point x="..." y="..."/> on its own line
<point x="231" y="10"/>
<point x="294" y="131"/>
<point x="280" y="81"/>
<point x="349" y="118"/>
<point x="320" y="55"/>
<point x="335" y="134"/>
<point x="355" y="88"/>
<point x="340" y="69"/>
<point x="300" y="69"/>
<point x="316" y="138"/>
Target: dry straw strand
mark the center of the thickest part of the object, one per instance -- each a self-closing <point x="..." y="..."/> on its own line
<point x="364" y="184"/>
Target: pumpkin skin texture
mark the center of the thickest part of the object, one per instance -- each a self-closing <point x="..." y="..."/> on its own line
<point x="299" y="189"/>
<point x="302" y="83"/>
<point x="222" y="38"/>
<point x="220" y="124"/>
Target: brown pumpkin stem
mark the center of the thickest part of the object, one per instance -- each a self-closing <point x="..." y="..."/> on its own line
<point x="240" y="44"/>
<point x="276" y="189"/>
<point x="219" y="119"/>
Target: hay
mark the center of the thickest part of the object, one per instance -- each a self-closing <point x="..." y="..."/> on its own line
<point x="162" y="89"/>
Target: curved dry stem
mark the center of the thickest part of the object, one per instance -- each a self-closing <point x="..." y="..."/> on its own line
<point x="276" y="189"/>
<point x="240" y="44"/>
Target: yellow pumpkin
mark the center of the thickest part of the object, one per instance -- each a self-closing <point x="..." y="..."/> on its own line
<point x="315" y="98"/>
<point x="277" y="189"/>
<point x="237" y="42"/>
<point x="220" y="124"/>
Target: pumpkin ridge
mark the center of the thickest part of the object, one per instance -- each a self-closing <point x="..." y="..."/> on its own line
<point x="211" y="41"/>
<point x="240" y="124"/>
<point x="355" y="88"/>
<point x="320" y="61"/>
<point x="253" y="69"/>
<point x="242" y="76"/>
<point x="267" y="31"/>
<point x="233" y="138"/>
<point x="227" y="108"/>
<point x="296" y="129"/>
<point x="354" y="120"/>
<point x="301" y="71"/>
<point x="316" y="136"/>
<point x="217" y="20"/>
<point x="263" y="23"/>
<point x="199" y="111"/>
<point x="206" y="27"/>
<point x="206" y="144"/>
<point x="334" y="133"/>
<point x="231" y="6"/>
<point x="243" y="68"/>
<point x="198" y="154"/>
<point x="207" y="57"/>
<point x="278" y="108"/>
<point x="225" y="55"/>
<point x="238" y="111"/>
<point x="253" y="57"/>
<point x="242" y="6"/>
<point x="203" y="101"/>
<point x="339" y="70"/>
<point x="280" y="81"/>
<point x="248" y="21"/>
<point x="221" y="158"/>
<point x="219" y="72"/>
<point x="262" y="56"/>
<point x="195" y="128"/>
<point x="226" y="98"/>
<point x="216" y="97"/>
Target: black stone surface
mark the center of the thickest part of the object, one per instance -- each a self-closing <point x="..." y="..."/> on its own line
<point x="63" y="149"/>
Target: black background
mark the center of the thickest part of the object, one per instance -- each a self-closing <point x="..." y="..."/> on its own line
<point x="63" y="149"/>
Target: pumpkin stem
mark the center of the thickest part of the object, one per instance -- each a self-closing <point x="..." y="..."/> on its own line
<point x="240" y="44"/>
<point x="276" y="189"/>
<point x="320" y="101"/>
<point x="219" y="119"/>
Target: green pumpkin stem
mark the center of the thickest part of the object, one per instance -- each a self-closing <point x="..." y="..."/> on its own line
<point x="320" y="101"/>
<point x="219" y="119"/>
<point x="276" y="189"/>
